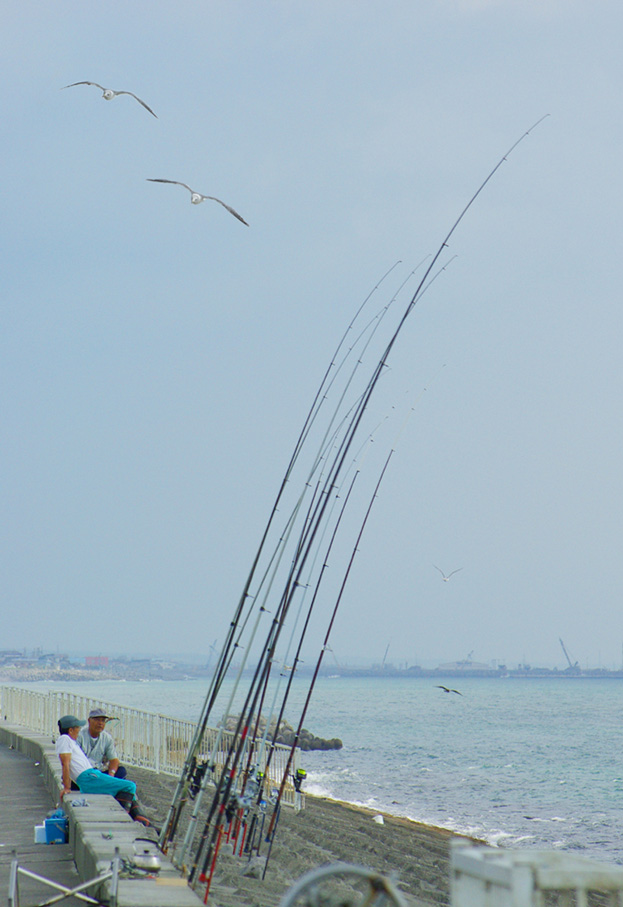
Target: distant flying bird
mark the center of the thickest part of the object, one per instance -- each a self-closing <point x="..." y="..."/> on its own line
<point x="108" y="94"/>
<point x="446" y="578"/>
<point x="447" y="689"/>
<point x="196" y="197"/>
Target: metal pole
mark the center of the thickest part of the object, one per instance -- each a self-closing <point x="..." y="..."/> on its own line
<point x="13" y="886"/>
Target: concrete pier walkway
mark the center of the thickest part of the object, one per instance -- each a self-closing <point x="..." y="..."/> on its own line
<point x="24" y="802"/>
<point x="99" y="828"/>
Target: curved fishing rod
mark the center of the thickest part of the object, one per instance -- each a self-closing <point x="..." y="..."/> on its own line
<point x="317" y="588"/>
<point x="325" y="646"/>
<point x="277" y="723"/>
<point x="419" y="290"/>
<point x="207" y="778"/>
<point x="320" y="455"/>
<point x="302" y="636"/>
<point x="257" y="766"/>
<point x="286" y="657"/>
<point x="338" y="463"/>
<point x="181" y="853"/>
<point x="221" y="798"/>
<point x="224" y="788"/>
<point x="382" y="362"/>
<point x="271" y="826"/>
<point x="312" y="414"/>
<point x="180" y="796"/>
<point x="297" y="583"/>
<point x="269" y="720"/>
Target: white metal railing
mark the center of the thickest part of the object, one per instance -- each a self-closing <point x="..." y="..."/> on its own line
<point x="490" y="877"/>
<point x="144" y="739"/>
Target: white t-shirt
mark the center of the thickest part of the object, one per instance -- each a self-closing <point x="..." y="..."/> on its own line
<point x="79" y="762"/>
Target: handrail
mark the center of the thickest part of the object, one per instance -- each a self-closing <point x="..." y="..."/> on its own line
<point x="144" y="739"/>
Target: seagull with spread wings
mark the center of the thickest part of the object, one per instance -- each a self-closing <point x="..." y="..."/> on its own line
<point x="108" y="94"/>
<point x="196" y="197"/>
<point x="445" y="576"/>
<point x="440" y="686"/>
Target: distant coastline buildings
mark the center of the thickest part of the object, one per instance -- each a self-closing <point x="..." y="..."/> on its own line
<point x="37" y="665"/>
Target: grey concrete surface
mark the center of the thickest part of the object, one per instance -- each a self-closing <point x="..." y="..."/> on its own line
<point x="30" y="775"/>
<point x="24" y="802"/>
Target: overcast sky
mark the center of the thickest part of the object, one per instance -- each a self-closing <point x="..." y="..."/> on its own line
<point x="158" y="358"/>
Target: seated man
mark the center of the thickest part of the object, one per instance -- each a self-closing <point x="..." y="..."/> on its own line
<point x="77" y="767"/>
<point x="99" y="746"/>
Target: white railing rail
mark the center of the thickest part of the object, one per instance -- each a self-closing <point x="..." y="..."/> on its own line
<point x="147" y="740"/>
<point x="492" y="877"/>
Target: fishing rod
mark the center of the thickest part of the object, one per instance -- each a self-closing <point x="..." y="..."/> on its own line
<point x="222" y="795"/>
<point x="277" y="723"/>
<point x="350" y="434"/>
<point x="191" y="827"/>
<point x="270" y="722"/>
<point x="417" y="294"/>
<point x="205" y="779"/>
<point x="303" y="633"/>
<point x="316" y="523"/>
<point x="269" y="648"/>
<point x="263" y="775"/>
<point x="382" y="362"/>
<point x="181" y="793"/>
<point x="270" y="835"/>
<point x="258" y="776"/>
<point x="250" y="742"/>
<point x="298" y="582"/>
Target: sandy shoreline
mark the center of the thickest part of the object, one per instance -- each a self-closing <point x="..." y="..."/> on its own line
<point x="326" y="831"/>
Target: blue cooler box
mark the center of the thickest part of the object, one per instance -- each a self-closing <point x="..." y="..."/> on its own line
<point x="57" y="830"/>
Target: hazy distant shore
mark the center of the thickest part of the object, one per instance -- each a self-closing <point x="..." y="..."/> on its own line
<point x="78" y="674"/>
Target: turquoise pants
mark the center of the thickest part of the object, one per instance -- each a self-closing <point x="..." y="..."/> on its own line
<point x="91" y="781"/>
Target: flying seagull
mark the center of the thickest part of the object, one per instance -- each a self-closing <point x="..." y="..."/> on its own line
<point x="108" y="94"/>
<point x="196" y="197"/>
<point x="447" y="689"/>
<point x="444" y="577"/>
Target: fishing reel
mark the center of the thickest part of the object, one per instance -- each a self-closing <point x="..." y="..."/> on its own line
<point x="297" y="779"/>
<point x="197" y="772"/>
<point x="231" y="807"/>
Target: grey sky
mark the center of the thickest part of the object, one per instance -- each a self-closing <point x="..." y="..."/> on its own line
<point x="157" y="358"/>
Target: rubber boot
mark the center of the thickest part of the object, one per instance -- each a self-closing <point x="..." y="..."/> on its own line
<point x="125" y="799"/>
<point x="133" y="809"/>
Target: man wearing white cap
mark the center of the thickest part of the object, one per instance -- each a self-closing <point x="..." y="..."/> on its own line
<point x="99" y="746"/>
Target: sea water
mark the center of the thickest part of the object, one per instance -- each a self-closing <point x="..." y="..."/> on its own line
<point x="516" y="762"/>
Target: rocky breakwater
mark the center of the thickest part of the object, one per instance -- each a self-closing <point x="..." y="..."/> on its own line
<point x="286" y="735"/>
